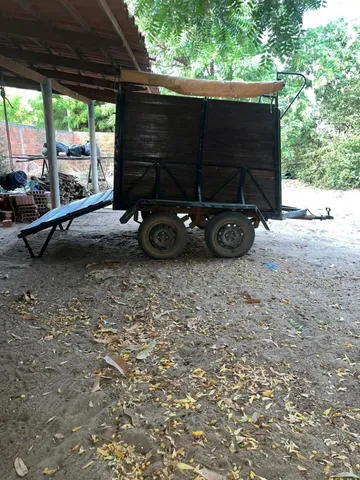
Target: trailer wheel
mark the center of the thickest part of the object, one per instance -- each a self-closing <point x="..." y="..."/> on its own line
<point x="229" y="235"/>
<point x="162" y="235"/>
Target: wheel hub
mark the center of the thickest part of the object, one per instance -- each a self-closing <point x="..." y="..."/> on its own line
<point x="163" y="236"/>
<point x="230" y="236"/>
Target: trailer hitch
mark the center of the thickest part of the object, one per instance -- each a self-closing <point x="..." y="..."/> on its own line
<point x="305" y="214"/>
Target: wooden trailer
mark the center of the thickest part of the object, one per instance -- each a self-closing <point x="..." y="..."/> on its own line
<point x="215" y="163"/>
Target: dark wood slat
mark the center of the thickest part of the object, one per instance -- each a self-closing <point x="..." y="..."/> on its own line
<point x="98" y="82"/>
<point x="60" y="61"/>
<point x="41" y="31"/>
<point x="166" y="129"/>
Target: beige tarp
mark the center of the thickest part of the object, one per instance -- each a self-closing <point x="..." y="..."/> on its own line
<point x="202" y="88"/>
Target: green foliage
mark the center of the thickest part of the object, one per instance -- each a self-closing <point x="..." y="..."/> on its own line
<point x="221" y="38"/>
<point x="69" y="114"/>
<point x="321" y="135"/>
<point x="333" y="164"/>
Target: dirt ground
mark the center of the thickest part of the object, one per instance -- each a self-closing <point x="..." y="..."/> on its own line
<point x="247" y="368"/>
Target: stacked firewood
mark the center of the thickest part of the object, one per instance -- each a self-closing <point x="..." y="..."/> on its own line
<point x="70" y="188"/>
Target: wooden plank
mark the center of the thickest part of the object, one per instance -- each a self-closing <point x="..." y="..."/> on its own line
<point x="59" y="61"/>
<point x="18" y="82"/>
<point x="202" y="88"/>
<point x="21" y="70"/>
<point x="70" y="77"/>
<point x="75" y="14"/>
<point x="58" y="87"/>
<point x="41" y="31"/>
<point x="25" y="72"/>
<point x="109" y="13"/>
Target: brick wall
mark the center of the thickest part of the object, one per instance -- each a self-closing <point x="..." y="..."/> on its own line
<point x="26" y="140"/>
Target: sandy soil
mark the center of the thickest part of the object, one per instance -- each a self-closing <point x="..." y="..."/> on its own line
<point x="231" y="389"/>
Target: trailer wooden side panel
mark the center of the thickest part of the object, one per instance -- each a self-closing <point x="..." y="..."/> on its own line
<point x="178" y="148"/>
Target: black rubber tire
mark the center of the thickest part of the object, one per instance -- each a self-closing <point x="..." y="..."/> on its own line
<point x="229" y="235"/>
<point x="164" y="228"/>
<point x="145" y="215"/>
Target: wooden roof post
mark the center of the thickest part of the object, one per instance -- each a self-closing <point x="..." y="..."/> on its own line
<point x="46" y="89"/>
<point x="93" y="154"/>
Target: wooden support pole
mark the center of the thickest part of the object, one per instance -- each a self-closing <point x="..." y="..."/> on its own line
<point x="51" y="143"/>
<point x="93" y="154"/>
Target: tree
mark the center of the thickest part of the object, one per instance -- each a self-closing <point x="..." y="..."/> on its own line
<point x="321" y="136"/>
<point x="69" y="114"/>
<point x="220" y="38"/>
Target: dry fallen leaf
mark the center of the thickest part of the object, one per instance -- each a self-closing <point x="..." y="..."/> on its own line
<point x="49" y="471"/>
<point x="20" y="467"/>
<point x="198" y="434"/>
<point x="209" y="475"/>
<point x="59" y="436"/>
<point x="144" y="353"/>
<point x="230" y="403"/>
<point x="345" y="475"/>
<point x="184" y="466"/>
<point x="300" y="468"/>
<point x="252" y="300"/>
<point x="75" y="429"/>
<point x="51" y="419"/>
<point x="28" y="297"/>
<point x="88" y="465"/>
<point x="118" y="362"/>
<point x="268" y="393"/>
<point x="96" y="387"/>
<point x="30" y="317"/>
<point x="255" y="417"/>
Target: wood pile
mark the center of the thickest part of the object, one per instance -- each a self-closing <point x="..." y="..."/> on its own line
<point x="70" y="188"/>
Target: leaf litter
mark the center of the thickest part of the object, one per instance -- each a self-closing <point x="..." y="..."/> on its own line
<point x="239" y="403"/>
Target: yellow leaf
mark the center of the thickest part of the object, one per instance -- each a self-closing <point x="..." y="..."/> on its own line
<point x="75" y="448"/>
<point x="268" y="393"/>
<point x="88" y="465"/>
<point x="49" y="471"/>
<point x="75" y="429"/>
<point x="327" y="412"/>
<point x="198" y="433"/>
<point x="184" y="466"/>
<point x="251" y="475"/>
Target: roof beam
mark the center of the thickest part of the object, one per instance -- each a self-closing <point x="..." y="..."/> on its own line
<point x="68" y="62"/>
<point x="25" y="72"/>
<point x="17" y="82"/>
<point x="59" y="61"/>
<point x="58" y="87"/>
<point x="21" y="70"/>
<point x="26" y="5"/>
<point x="75" y="14"/>
<point x="109" y="13"/>
<point x="99" y="95"/>
<point x="71" y="77"/>
<point x="35" y="29"/>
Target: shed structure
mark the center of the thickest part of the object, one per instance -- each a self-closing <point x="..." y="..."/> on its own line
<point x="72" y="47"/>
